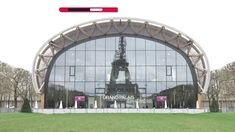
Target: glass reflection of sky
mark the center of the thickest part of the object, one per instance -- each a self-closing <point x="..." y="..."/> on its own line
<point x="148" y="62"/>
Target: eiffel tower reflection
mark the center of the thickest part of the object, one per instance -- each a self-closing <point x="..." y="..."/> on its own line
<point x="121" y="88"/>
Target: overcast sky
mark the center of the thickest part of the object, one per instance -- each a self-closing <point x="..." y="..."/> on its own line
<point x="25" y="25"/>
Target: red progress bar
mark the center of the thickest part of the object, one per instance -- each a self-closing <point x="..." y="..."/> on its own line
<point x="88" y="9"/>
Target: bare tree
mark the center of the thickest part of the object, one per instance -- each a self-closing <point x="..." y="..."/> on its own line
<point x="5" y="90"/>
<point x="16" y="83"/>
<point x="19" y="82"/>
<point x="222" y="86"/>
<point x="229" y="85"/>
<point x="213" y="91"/>
<point x="25" y="86"/>
<point x="5" y="84"/>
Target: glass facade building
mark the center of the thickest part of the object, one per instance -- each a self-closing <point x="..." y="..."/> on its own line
<point x="123" y="63"/>
<point x="85" y="70"/>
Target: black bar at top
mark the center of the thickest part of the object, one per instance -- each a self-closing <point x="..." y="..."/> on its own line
<point x="78" y="9"/>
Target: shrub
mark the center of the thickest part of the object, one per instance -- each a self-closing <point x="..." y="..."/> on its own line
<point x="214" y="107"/>
<point x="26" y="106"/>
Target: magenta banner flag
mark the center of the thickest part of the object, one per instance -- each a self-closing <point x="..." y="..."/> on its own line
<point x="161" y="98"/>
<point x="79" y="98"/>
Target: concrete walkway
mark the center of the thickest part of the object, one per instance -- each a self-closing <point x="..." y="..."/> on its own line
<point x="62" y="111"/>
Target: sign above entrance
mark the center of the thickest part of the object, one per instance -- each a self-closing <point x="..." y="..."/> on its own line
<point x="118" y="97"/>
<point x="161" y="98"/>
<point x="79" y="98"/>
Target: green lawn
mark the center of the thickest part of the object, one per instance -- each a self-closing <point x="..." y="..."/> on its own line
<point x="207" y="122"/>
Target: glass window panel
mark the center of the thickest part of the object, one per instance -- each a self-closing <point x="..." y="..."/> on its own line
<point x="161" y="59"/>
<point x="81" y="46"/>
<point x="59" y="85"/>
<point x="168" y="70"/>
<point x="132" y="73"/>
<point x="90" y="73"/>
<point x="90" y="45"/>
<point x="100" y="84"/>
<point x="100" y="58"/>
<point x="99" y="91"/>
<point x="142" y="90"/>
<point x="80" y="57"/>
<point x="80" y="73"/>
<point x="171" y="84"/>
<point x="90" y="87"/>
<point x="151" y="87"/>
<point x="70" y="73"/>
<point x="58" y="91"/>
<point x="150" y="57"/>
<point x="149" y="96"/>
<point x="51" y="87"/>
<point x="72" y="78"/>
<point x="90" y="58"/>
<point x="67" y="73"/>
<point x="180" y="59"/>
<point x="108" y="73"/>
<point x="52" y="74"/>
<point x="142" y="84"/>
<point x="171" y="59"/>
<point x="160" y="46"/>
<point x="116" y="42"/>
<point x="190" y="83"/>
<point x="109" y="57"/>
<point x="69" y="86"/>
<point x="110" y="43"/>
<point x="140" y="57"/>
<point x="161" y="86"/>
<point x="161" y="73"/>
<point x="181" y="83"/>
<point x="189" y="75"/>
<point x="60" y="61"/>
<point x="130" y="43"/>
<point x="140" y="44"/>
<point x="181" y="73"/>
<point x="171" y="73"/>
<point x="100" y="44"/>
<point x="131" y="57"/>
<point x="70" y="58"/>
<point x="169" y="48"/>
<point x="150" y="45"/>
<point x="120" y="82"/>
<point x="121" y="76"/>
<point x="140" y="73"/>
<point x="100" y="73"/>
<point x="168" y="78"/>
<point x="79" y="86"/>
<point x="59" y="73"/>
<point x="151" y="73"/>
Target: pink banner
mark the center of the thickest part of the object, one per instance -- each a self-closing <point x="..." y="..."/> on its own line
<point x="161" y="98"/>
<point x="79" y="98"/>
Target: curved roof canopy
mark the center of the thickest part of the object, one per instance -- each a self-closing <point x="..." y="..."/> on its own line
<point x="121" y="26"/>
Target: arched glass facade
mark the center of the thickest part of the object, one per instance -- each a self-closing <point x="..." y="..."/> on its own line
<point x="120" y="70"/>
